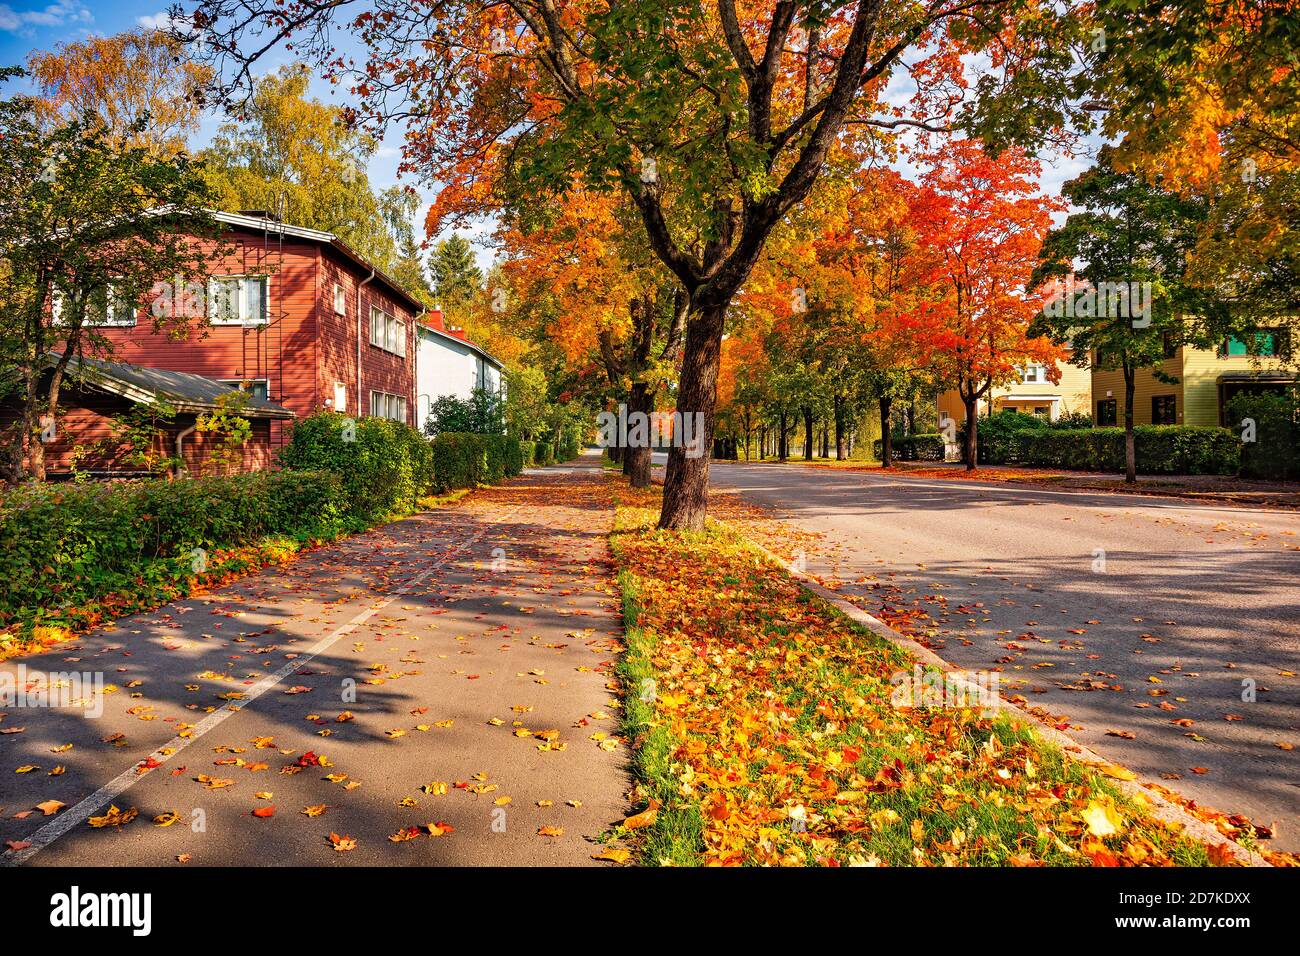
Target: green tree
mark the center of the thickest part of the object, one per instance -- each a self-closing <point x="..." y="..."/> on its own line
<point x="1129" y="244"/>
<point x="457" y="279"/>
<point x="297" y="157"/>
<point x="89" y="229"/>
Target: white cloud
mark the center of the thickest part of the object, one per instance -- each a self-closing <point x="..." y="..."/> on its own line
<point x="155" y="21"/>
<point x="57" y="14"/>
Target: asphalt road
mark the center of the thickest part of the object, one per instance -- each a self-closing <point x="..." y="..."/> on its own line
<point x="451" y="669"/>
<point x="1109" y="614"/>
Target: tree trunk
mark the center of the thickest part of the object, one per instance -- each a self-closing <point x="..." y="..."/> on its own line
<point x="911" y="417"/>
<point x="781" y="447"/>
<point x="886" y="433"/>
<point x="637" y="458"/>
<point x="808" y="435"/>
<point x="686" y="486"/>
<point x="1130" y="443"/>
<point x="839" y="428"/>
<point x="972" y="432"/>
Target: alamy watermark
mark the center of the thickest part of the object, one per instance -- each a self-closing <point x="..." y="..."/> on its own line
<point x="624" y="429"/>
<point x="24" y="688"/>
<point x="1105" y="300"/>
<point x="929" y="688"/>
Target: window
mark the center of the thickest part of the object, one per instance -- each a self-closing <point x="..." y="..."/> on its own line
<point x="1107" y="412"/>
<point x="105" y="308"/>
<point x="1164" y="410"/>
<point x="340" y="397"/>
<point x="340" y="299"/>
<point x="387" y="332"/>
<point x="237" y="300"/>
<point x="387" y="405"/>
<point x="258" y="388"/>
<point x="1033" y="373"/>
<point x="1269" y="344"/>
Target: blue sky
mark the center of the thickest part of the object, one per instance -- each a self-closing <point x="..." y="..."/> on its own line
<point x="28" y="25"/>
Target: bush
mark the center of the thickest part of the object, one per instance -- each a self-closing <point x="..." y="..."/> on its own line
<point x="544" y="455"/>
<point x="1275" y="451"/>
<point x="514" y="456"/>
<point x="1161" y="449"/>
<point x="459" y="460"/>
<point x="913" y="448"/>
<point x="1072" y="420"/>
<point x="62" y="546"/>
<point x="385" y="466"/>
<point x="494" y="457"/>
<point x="1003" y="437"/>
<point x="528" y="452"/>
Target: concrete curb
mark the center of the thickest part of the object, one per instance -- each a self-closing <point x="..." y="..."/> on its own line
<point x="1160" y="807"/>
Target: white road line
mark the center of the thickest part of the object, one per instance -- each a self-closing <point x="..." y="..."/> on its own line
<point x="110" y="791"/>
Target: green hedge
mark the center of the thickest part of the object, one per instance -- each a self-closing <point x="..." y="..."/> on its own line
<point x="1274" y="451"/>
<point x="1161" y="449"/>
<point x="385" y="466"/>
<point x="527" y="452"/>
<point x="63" y="546"/>
<point x="544" y="454"/>
<point x="913" y="448"/>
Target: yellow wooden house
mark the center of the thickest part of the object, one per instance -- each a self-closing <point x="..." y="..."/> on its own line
<point x="1207" y="379"/>
<point x="1032" y="394"/>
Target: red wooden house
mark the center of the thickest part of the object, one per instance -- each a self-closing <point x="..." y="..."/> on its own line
<point x="298" y="318"/>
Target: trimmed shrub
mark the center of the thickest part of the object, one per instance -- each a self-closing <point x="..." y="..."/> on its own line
<point x="1275" y="451"/>
<point x="913" y="448"/>
<point x="1161" y="449"/>
<point x="544" y="455"/>
<point x="62" y="546"/>
<point x="527" y="452"/>
<point x="515" y="462"/>
<point x="385" y="466"/>
<point x="460" y="460"/>
<point x="494" y="458"/>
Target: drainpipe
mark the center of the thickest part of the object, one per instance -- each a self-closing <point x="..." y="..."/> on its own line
<point x="181" y="470"/>
<point x="363" y="284"/>
<point x="415" y="366"/>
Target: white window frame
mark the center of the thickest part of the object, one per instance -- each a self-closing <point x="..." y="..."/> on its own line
<point x="115" y="304"/>
<point x="387" y="405"/>
<point x="1033" y="374"/>
<point x="243" y="317"/>
<point x="340" y="396"/>
<point x="387" y="332"/>
<point x="340" y="299"/>
<point x="239" y="384"/>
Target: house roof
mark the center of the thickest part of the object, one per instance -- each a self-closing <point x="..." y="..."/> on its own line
<point x="434" y="326"/>
<point x="183" y="390"/>
<point x="268" y="223"/>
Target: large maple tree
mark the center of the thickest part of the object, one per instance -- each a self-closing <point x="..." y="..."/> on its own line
<point x="714" y="119"/>
<point x="981" y="222"/>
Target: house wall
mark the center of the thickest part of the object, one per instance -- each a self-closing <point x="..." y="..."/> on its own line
<point x="1197" y="391"/>
<point x="87" y="419"/>
<point x="449" y="367"/>
<point x="1073" y="394"/>
<point x="1109" y="384"/>
<point x="283" y="352"/>
<point x="380" y="370"/>
<point x="304" y="348"/>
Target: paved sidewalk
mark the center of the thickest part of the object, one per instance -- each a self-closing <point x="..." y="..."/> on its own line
<point x="461" y="630"/>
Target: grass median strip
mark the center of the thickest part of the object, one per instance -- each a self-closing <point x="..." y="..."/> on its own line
<point x="766" y="733"/>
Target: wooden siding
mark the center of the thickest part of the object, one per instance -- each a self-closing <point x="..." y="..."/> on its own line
<point x="281" y="352"/>
<point x="87" y="419"/>
<point x="1074" y="391"/>
<point x="381" y="370"/>
<point x="1197" y="391"/>
<point x="303" y="349"/>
